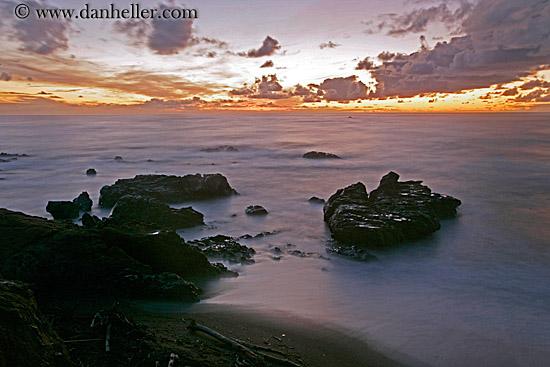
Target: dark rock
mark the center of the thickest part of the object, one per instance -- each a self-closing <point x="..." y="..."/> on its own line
<point x="163" y="251"/>
<point x="150" y="213"/>
<point x="164" y="285"/>
<point x="256" y="210"/>
<point x="168" y="189"/>
<point x="352" y="252"/>
<point x="394" y="212"/>
<point x="316" y="200"/>
<point x="92" y="221"/>
<point x="63" y="209"/>
<point x="118" y="158"/>
<point x="225" y="248"/>
<point x="221" y="148"/>
<point x="11" y="155"/>
<point x="260" y="235"/>
<point x="61" y="257"/>
<point x="320" y="155"/>
<point x="26" y="337"/>
<point x="70" y="209"/>
<point x="91" y="172"/>
<point x="84" y="202"/>
<point x="299" y="253"/>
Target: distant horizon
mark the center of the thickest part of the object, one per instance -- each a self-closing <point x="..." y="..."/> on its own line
<point x="407" y="56"/>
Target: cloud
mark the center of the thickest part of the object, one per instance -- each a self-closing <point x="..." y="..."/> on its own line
<point x="418" y="20"/>
<point x="39" y="36"/>
<point x="5" y="76"/>
<point x="268" y="48"/>
<point x="504" y="41"/>
<point x="530" y="96"/>
<point x="267" y="64"/>
<point x="365" y="64"/>
<point x="534" y="84"/>
<point x="162" y="36"/>
<point x="510" y="92"/>
<point x="329" y="44"/>
<point x="267" y="87"/>
<point x="343" y="89"/>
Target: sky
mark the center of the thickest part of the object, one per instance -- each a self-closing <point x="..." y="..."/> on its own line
<point x="279" y="56"/>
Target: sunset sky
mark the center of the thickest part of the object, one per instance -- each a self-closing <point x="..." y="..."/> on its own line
<point x="286" y="55"/>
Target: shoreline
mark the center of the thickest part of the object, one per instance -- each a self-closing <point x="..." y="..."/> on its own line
<point x="312" y="342"/>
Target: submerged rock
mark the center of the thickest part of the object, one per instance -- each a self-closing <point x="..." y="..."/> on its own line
<point x="320" y="155"/>
<point x="118" y="158"/>
<point x="167" y="189"/>
<point x="65" y="258"/>
<point x="150" y="213"/>
<point x="256" y="210"/>
<point x="91" y="172"/>
<point x="26" y="337"/>
<point x="70" y="209"/>
<point x="352" y="252"/>
<point x="394" y="212"/>
<point x="316" y="200"/>
<point x="225" y="248"/>
<point x="221" y="148"/>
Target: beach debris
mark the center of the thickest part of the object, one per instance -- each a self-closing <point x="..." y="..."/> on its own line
<point x="91" y="172"/>
<point x="320" y="155"/>
<point x="173" y="359"/>
<point x="394" y="212"/>
<point x="108" y="339"/>
<point x="167" y="189"/>
<point x="254" y="353"/>
<point x="256" y="210"/>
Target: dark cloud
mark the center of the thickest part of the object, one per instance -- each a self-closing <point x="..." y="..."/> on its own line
<point x="169" y="36"/>
<point x="162" y="36"/>
<point x="530" y="97"/>
<point x="268" y="47"/>
<point x="510" y="92"/>
<point x="267" y="87"/>
<point x="39" y="36"/>
<point x="343" y="89"/>
<point x="504" y="41"/>
<point x="365" y="64"/>
<point x="417" y="20"/>
<point x="534" y="84"/>
<point x="5" y="76"/>
<point x="267" y="64"/>
<point x="329" y="44"/>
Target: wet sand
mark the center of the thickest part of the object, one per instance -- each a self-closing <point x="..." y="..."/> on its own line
<point x="313" y="343"/>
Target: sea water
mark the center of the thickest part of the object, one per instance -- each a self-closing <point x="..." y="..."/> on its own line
<point x="475" y="293"/>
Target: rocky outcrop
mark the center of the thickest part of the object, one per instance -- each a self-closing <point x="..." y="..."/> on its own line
<point x="316" y="200"/>
<point x="320" y="155"/>
<point x="256" y="210"/>
<point x="66" y="258"/>
<point x="150" y="213"/>
<point x="70" y="209"/>
<point x="394" y="212"/>
<point x="225" y="248"/>
<point x="26" y="337"/>
<point x="91" y="172"/>
<point x="167" y="189"/>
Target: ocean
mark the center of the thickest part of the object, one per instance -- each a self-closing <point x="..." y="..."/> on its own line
<point x="475" y="293"/>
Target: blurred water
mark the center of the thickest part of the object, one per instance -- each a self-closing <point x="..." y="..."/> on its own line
<point x="476" y="293"/>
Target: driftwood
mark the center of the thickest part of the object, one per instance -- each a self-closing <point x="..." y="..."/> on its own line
<point x="250" y="350"/>
<point x="108" y="339"/>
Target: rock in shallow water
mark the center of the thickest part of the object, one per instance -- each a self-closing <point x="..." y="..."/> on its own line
<point x="320" y="155"/>
<point x="394" y="212"/>
<point x="70" y="209"/>
<point x="167" y="189"/>
<point x="256" y="210"/>
<point x="150" y="213"/>
<point x="225" y="248"/>
<point x="63" y="257"/>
